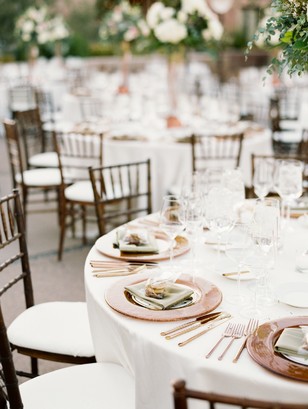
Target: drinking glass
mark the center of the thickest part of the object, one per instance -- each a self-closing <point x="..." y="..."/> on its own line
<point x="171" y="219"/>
<point x="194" y="219"/>
<point x="288" y="183"/>
<point x="219" y="213"/>
<point x="266" y="234"/>
<point x="238" y="248"/>
<point x="263" y="177"/>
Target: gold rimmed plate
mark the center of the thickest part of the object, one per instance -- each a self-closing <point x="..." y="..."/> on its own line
<point x="105" y="246"/>
<point x="261" y="348"/>
<point x="206" y="298"/>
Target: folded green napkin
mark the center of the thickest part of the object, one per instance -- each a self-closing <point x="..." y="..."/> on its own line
<point x="175" y="293"/>
<point x="148" y="243"/>
<point x="293" y="341"/>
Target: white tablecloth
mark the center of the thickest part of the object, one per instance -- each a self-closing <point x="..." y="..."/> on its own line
<point x="171" y="161"/>
<point x="155" y="362"/>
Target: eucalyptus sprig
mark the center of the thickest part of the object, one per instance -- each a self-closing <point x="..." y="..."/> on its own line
<point x="286" y="30"/>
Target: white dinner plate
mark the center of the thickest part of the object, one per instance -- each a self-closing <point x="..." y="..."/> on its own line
<point x="296" y="359"/>
<point x="294" y="294"/>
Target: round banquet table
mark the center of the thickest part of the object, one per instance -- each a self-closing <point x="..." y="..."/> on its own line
<point x="155" y="362"/>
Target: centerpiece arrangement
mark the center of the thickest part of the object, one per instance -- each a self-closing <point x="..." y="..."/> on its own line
<point x="36" y="26"/>
<point x="176" y="26"/>
<point x="123" y="26"/>
<point x="286" y="28"/>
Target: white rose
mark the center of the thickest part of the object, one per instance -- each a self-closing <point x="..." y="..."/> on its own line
<point x="216" y="28"/>
<point x="153" y="14"/>
<point x="43" y="37"/>
<point x="182" y="16"/>
<point x="170" y="31"/>
<point x="199" y="6"/>
<point x="166" y="13"/>
<point x="28" y="26"/>
<point x="26" y="37"/>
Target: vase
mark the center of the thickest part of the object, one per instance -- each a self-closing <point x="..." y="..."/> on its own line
<point x="172" y="77"/>
<point x="125" y="62"/>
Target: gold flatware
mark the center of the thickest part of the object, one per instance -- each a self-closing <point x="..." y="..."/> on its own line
<point x="249" y="330"/>
<point x="117" y="273"/>
<point x="235" y="273"/>
<point x="226" y="333"/>
<point x="237" y="333"/>
<point x="211" y="326"/>
<point x="209" y="316"/>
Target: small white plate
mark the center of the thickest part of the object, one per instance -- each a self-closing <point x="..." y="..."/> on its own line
<point x="296" y="359"/>
<point x="294" y="294"/>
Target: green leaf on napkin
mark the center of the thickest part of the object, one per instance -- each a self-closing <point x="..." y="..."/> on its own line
<point x="175" y="294"/>
<point x="292" y="342"/>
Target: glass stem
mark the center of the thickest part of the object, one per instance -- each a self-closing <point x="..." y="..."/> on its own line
<point x="239" y="268"/>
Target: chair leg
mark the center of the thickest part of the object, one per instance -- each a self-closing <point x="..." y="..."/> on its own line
<point x="62" y="231"/>
<point x="34" y="367"/>
<point x="84" y="224"/>
<point x="24" y="204"/>
<point x="73" y="220"/>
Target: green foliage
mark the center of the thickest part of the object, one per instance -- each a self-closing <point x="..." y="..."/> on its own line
<point x="288" y="26"/>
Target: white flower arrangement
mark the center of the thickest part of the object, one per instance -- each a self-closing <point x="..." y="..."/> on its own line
<point x="38" y="26"/>
<point x="190" y="25"/>
<point x="124" y="23"/>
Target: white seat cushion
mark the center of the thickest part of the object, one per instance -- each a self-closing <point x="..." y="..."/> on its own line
<point x="91" y="386"/>
<point x="80" y="192"/>
<point x="60" y="327"/>
<point x="40" y="177"/>
<point x="44" y="160"/>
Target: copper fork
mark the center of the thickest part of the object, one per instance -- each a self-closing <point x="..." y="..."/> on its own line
<point x="249" y="330"/>
<point x="227" y="333"/>
<point x="237" y="332"/>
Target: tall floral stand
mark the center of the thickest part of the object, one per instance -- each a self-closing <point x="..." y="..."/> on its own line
<point x="172" y="77"/>
<point x="125" y="62"/>
<point x="33" y="53"/>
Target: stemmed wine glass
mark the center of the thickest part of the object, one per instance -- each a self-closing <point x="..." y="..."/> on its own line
<point x="194" y="219"/>
<point x="172" y="219"/>
<point x="263" y="177"/>
<point x="238" y="248"/>
<point x="288" y="183"/>
<point x="219" y="212"/>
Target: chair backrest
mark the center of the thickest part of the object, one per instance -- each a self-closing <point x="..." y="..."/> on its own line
<point x="303" y="146"/>
<point x="129" y="184"/>
<point x="45" y="103"/>
<point x="216" y="151"/>
<point x="181" y="394"/>
<point x="76" y="152"/>
<point x="31" y="131"/>
<point x="17" y="156"/>
<point x="12" y="237"/>
<point x="21" y="97"/>
<point x="91" y="108"/>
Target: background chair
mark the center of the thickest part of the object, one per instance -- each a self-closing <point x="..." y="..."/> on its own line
<point x="56" y="331"/>
<point x="76" y="152"/>
<point x="181" y="394"/>
<point x="121" y="192"/>
<point x="30" y="181"/>
<point x="216" y="151"/>
<point x="34" y="139"/>
<point x="21" y="97"/>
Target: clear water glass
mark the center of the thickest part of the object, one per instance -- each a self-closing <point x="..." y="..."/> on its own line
<point x="263" y="179"/>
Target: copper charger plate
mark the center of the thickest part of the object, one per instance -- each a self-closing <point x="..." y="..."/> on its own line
<point x="105" y="246"/>
<point x="118" y="299"/>
<point x="261" y="348"/>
